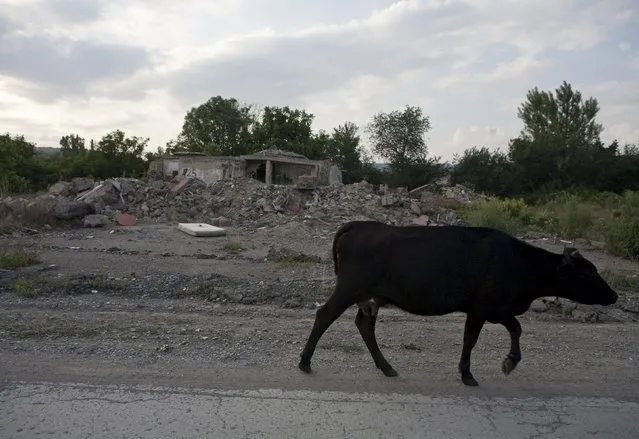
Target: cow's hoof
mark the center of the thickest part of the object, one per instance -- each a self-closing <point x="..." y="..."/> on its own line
<point x="304" y="367"/>
<point x="508" y="365"/>
<point x="390" y="372"/>
<point x="469" y="380"/>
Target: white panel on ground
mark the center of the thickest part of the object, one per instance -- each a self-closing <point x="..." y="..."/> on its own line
<point x="201" y="229"/>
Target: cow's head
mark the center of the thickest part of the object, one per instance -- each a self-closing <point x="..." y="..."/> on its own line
<point x="580" y="281"/>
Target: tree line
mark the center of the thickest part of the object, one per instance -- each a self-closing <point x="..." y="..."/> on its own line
<point x="559" y="148"/>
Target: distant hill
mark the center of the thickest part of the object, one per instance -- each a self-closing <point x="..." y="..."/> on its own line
<point x="47" y="151"/>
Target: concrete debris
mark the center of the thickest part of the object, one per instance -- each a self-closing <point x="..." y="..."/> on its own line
<point x="201" y="229"/>
<point x="67" y="210"/>
<point x="81" y="184"/>
<point x="96" y="220"/>
<point x="63" y="188"/>
<point x="249" y="204"/>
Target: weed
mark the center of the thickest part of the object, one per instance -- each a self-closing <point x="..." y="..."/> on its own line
<point x="503" y="215"/>
<point x="24" y="288"/>
<point x="411" y="347"/>
<point x="575" y="219"/>
<point x="233" y="246"/>
<point x="17" y="259"/>
<point x="622" y="232"/>
<point x="293" y="264"/>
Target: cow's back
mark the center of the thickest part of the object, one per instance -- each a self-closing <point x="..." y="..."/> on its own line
<point x="429" y="270"/>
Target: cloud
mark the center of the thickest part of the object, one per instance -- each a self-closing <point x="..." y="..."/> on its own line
<point x="95" y="66"/>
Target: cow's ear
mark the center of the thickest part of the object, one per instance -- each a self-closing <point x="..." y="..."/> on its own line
<point x="571" y="252"/>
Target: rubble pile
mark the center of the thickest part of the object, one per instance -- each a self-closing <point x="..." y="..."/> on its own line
<point x="248" y="203"/>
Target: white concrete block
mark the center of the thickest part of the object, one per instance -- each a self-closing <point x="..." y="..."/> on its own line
<point x="201" y="229"/>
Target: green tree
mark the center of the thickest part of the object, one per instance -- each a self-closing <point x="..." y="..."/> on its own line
<point x="16" y="153"/>
<point x="220" y="126"/>
<point x="118" y="155"/>
<point x="485" y="170"/>
<point x="560" y="141"/>
<point x="399" y="138"/>
<point x="72" y="145"/>
<point x="286" y="129"/>
<point x="345" y="151"/>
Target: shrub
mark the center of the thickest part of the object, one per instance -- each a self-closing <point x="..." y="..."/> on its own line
<point x="504" y="215"/>
<point x="574" y="219"/>
<point x="622" y="233"/>
<point x="17" y="259"/>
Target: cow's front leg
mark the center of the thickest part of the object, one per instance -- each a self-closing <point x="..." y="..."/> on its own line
<point x="472" y="328"/>
<point x="514" y="356"/>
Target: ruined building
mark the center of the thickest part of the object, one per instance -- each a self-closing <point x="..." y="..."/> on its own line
<point x="272" y="166"/>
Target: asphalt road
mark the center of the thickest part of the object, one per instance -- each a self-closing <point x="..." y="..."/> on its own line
<point x="59" y="410"/>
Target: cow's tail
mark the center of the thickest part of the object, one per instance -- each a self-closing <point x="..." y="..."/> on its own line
<point x="343" y="229"/>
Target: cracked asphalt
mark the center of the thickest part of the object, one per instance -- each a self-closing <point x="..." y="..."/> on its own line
<point x="117" y="411"/>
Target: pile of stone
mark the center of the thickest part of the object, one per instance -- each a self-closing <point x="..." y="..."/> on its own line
<point x="248" y="203"/>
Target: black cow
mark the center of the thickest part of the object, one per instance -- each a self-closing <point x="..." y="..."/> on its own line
<point x="485" y="273"/>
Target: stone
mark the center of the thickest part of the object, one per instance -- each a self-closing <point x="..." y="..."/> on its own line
<point x="566" y="304"/>
<point x="539" y="306"/>
<point x="106" y="193"/>
<point x="96" y="220"/>
<point x="387" y="200"/>
<point x="221" y="222"/>
<point x="422" y="220"/>
<point x="179" y="184"/>
<point x="415" y="207"/>
<point x="67" y="210"/>
<point x="294" y="204"/>
<point x="61" y="188"/>
<point x="81" y="184"/>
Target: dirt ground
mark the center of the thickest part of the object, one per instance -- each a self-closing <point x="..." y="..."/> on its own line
<point x="183" y="309"/>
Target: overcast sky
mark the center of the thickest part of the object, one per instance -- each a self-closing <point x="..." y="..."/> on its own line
<point x="92" y="66"/>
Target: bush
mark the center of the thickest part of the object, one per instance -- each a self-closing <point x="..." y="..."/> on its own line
<point x="574" y="219"/>
<point x="622" y="233"/>
<point x="506" y="215"/>
<point x="17" y="259"/>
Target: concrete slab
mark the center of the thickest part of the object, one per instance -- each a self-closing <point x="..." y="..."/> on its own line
<point x="201" y="229"/>
<point x="72" y="411"/>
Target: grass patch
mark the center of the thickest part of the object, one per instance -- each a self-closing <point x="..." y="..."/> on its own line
<point x="18" y="259"/>
<point x="510" y="216"/>
<point x="233" y="246"/>
<point x="288" y="258"/>
<point x="347" y="348"/>
<point x="411" y="347"/>
<point x="621" y="280"/>
<point x="292" y="264"/>
<point x="24" y="288"/>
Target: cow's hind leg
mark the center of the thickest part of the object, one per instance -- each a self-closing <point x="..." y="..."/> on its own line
<point x="472" y="328"/>
<point x="514" y="356"/>
<point x="365" y="321"/>
<point x="324" y="317"/>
